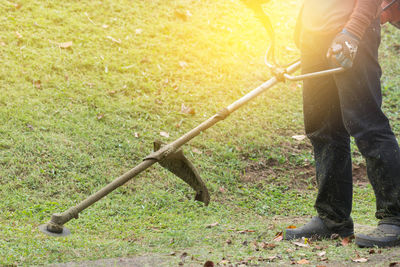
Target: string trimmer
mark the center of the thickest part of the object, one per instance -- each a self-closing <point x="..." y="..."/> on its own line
<point x="171" y="157"/>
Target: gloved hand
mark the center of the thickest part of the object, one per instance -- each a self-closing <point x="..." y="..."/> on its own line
<point x="343" y="49"/>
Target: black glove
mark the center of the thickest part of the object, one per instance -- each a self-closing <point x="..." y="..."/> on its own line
<point x="343" y="49"/>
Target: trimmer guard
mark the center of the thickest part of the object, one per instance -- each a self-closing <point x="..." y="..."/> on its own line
<point x="179" y="165"/>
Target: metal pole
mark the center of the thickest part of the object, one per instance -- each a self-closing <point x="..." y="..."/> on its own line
<point x="59" y="219"/>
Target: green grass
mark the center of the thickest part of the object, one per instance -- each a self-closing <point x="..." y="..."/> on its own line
<point x="72" y="120"/>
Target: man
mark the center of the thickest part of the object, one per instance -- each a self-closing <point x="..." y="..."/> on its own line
<point x="347" y="33"/>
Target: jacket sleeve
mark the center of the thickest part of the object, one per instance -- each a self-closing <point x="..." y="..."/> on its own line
<point x="364" y="13"/>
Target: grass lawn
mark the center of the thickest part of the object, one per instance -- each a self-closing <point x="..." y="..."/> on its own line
<point x="87" y="86"/>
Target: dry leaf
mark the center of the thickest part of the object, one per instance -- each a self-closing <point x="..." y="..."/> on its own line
<point x="173" y="253"/>
<point x="299" y="137"/>
<point x="212" y="225"/>
<point x="301" y="244"/>
<point x="187" y="110"/>
<point x="195" y="150"/>
<point x="347" y="240"/>
<point x="278" y="237"/>
<point x="224" y="262"/>
<point x="272" y="258"/>
<point x="264" y="245"/>
<point x="164" y="134"/>
<point x="19" y="36"/>
<point x="113" y="39"/>
<point x="303" y="261"/>
<point x="37" y="84"/>
<point x="229" y="242"/>
<point x="209" y="264"/>
<point x="360" y="260"/>
<point x="245" y="231"/>
<point x="139" y="31"/>
<point x="322" y="253"/>
<point x="183" y="64"/>
<point x="183" y="256"/>
<point x="394" y="264"/>
<point x="291" y="227"/>
<point x="65" y="45"/>
<point x="100" y="116"/>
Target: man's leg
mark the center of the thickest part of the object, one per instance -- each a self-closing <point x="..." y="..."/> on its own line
<point x="360" y="98"/>
<point x="331" y="143"/>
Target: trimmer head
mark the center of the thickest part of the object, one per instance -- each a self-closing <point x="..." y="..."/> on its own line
<point x="44" y="229"/>
<point x="179" y="165"/>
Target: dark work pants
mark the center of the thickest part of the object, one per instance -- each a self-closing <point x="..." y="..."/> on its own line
<point x="344" y="105"/>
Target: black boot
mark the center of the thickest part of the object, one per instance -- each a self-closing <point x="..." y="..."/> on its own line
<point x="314" y="228"/>
<point x="385" y="235"/>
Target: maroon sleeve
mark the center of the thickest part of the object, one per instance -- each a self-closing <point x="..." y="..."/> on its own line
<point x="364" y="13"/>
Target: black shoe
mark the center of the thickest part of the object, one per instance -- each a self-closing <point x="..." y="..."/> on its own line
<point x="385" y="235"/>
<point x="314" y="228"/>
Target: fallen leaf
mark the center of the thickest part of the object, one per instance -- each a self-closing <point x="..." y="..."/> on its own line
<point x="37" y="84"/>
<point x="245" y="231"/>
<point x="187" y="110"/>
<point x="183" y="256"/>
<point x="278" y="237"/>
<point x="371" y="251"/>
<point x="322" y="253"/>
<point x="209" y="264"/>
<point x="173" y="253"/>
<point x="229" y="242"/>
<point x="303" y="261"/>
<point x="272" y="258"/>
<point x="65" y="45"/>
<point x="197" y="151"/>
<point x="267" y="245"/>
<point x="299" y="137"/>
<point x="347" y="240"/>
<point x="100" y="116"/>
<point x="164" y="134"/>
<point x="212" y="225"/>
<point x="138" y="31"/>
<point x="114" y="40"/>
<point x="291" y="227"/>
<point x="299" y="244"/>
<point x="19" y="36"/>
<point x="394" y="264"/>
<point x="183" y="64"/>
<point x="360" y="260"/>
